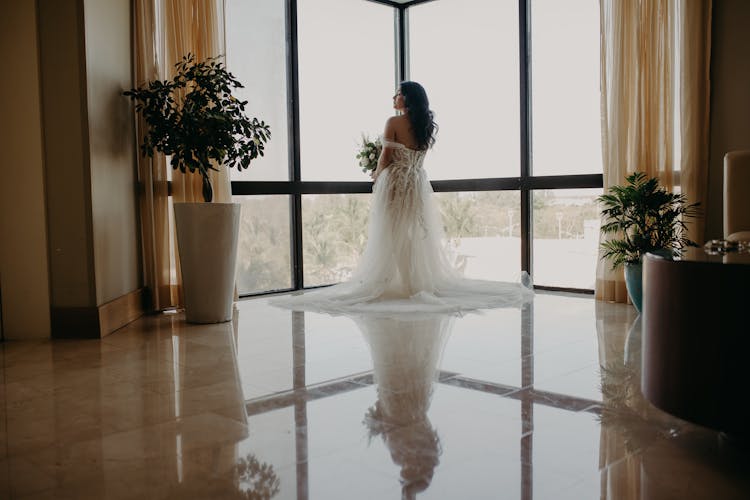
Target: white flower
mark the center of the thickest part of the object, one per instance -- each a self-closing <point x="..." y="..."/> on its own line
<point x="365" y="162"/>
<point x="372" y="156"/>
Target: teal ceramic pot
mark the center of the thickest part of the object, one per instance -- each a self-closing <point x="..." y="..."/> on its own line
<point x="634" y="283"/>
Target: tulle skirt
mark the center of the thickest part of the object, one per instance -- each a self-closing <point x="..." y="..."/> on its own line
<point x="404" y="267"/>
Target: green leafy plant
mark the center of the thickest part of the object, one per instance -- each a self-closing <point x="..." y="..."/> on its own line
<point x="644" y="218"/>
<point x="196" y="120"/>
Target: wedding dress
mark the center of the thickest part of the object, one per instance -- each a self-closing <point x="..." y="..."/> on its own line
<point x="404" y="267"/>
<point x="406" y="354"/>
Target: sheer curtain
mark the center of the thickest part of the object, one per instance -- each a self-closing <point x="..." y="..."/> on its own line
<point x="655" y="101"/>
<point x="165" y="31"/>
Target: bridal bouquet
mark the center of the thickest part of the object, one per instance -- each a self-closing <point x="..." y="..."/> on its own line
<point x="368" y="153"/>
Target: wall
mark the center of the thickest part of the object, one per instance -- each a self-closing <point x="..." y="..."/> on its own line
<point x="69" y="249"/>
<point x="730" y="98"/>
<point x="111" y="148"/>
<point x="23" y="238"/>
<point x="63" y="83"/>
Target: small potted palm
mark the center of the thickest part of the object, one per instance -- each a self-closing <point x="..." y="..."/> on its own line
<point x="196" y="121"/>
<point x="642" y="217"/>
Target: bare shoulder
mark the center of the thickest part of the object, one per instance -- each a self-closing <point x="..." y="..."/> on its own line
<point x="398" y="128"/>
<point x="397" y="121"/>
<point x="394" y="128"/>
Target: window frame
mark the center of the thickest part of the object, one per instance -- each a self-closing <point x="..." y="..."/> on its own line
<point x="525" y="183"/>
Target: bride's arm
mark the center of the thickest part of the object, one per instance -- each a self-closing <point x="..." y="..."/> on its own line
<point x="386" y="155"/>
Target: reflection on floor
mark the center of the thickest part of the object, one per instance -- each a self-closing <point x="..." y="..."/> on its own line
<point x="539" y="403"/>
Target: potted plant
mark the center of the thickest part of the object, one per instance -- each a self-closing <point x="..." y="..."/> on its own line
<point x="195" y="119"/>
<point x="642" y="217"/>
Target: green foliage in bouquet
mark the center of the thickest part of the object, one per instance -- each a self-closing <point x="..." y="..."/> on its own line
<point x="196" y="120"/>
<point x="645" y="218"/>
<point x="369" y="153"/>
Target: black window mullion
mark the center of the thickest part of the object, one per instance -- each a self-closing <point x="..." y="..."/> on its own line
<point x="294" y="144"/>
<point x="524" y="49"/>
<point x="402" y="44"/>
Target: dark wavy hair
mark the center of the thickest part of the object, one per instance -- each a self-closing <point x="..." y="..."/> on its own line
<point x="421" y="118"/>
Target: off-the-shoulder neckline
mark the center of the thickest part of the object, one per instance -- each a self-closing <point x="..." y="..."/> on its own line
<point x="385" y="143"/>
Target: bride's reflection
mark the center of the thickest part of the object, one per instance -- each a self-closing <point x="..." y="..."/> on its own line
<point x="406" y="352"/>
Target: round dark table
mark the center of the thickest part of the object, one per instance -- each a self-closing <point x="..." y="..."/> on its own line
<point x="696" y="338"/>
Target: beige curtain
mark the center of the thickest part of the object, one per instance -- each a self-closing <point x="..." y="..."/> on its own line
<point x="164" y="31"/>
<point x="655" y="98"/>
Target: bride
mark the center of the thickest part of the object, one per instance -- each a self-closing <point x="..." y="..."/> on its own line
<point x="404" y="267"/>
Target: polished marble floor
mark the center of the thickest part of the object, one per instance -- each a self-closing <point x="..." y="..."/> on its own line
<point x="539" y="403"/>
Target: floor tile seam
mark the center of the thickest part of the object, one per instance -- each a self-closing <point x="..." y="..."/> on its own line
<point x="287" y="398"/>
<point x="354" y="379"/>
<point x="474" y="383"/>
<point x="626" y="456"/>
<point x="50" y="381"/>
<point x="569" y="372"/>
<point x="595" y="409"/>
<point x="343" y="452"/>
<point x="542" y="397"/>
<point x="58" y="448"/>
<point x="101" y="436"/>
<point x="318" y="386"/>
<point x="192" y="388"/>
<point x="27" y="452"/>
<point x="546" y="351"/>
<point x="515" y="393"/>
<point x="541" y="358"/>
<point x="76" y="413"/>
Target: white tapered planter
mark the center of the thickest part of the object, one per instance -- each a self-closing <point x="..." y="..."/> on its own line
<point x="207" y="242"/>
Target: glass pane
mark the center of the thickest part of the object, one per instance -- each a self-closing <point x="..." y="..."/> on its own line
<point x="256" y="55"/>
<point x="334" y="233"/>
<point x="467" y="59"/>
<point x="566" y="120"/>
<point x="264" y="256"/>
<point x="566" y="237"/>
<point x="346" y="75"/>
<point x="483" y="232"/>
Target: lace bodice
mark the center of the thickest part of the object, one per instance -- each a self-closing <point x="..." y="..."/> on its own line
<point x="404" y="174"/>
<point x="403" y="156"/>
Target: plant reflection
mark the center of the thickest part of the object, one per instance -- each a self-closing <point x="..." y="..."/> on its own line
<point x="253" y="480"/>
<point x="260" y="479"/>
<point x="406" y="352"/>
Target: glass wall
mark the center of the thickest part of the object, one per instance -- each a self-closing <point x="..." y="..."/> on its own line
<point x="467" y="60"/>
<point x="483" y="233"/>
<point x="566" y="237"/>
<point x="256" y="55"/>
<point x="467" y="57"/>
<point x="566" y="117"/>
<point x="334" y="233"/>
<point x="264" y="253"/>
<point x="346" y="83"/>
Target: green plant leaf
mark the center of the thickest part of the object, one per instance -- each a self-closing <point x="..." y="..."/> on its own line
<point x="195" y="118"/>
<point x="643" y="217"/>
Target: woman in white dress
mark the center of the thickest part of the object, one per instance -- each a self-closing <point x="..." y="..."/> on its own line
<point x="404" y="267"/>
<point x="406" y="354"/>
